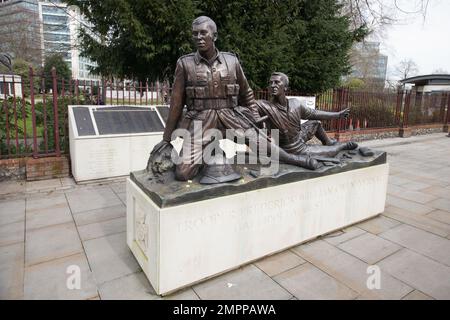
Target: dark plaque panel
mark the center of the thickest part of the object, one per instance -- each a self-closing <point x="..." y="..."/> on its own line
<point x="122" y="120"/>
<point x="122" y="108"/>
<point x="83" y="121"/>
<point x="164" y="112"/>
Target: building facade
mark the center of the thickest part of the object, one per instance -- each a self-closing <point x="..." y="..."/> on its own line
<point x="53" y="29"/>
<point x="429" y="83"/>
<point x="20" y="34"/>
<point x="368" y="64"/>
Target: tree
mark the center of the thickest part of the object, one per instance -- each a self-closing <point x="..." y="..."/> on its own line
<point x="375" y="15"/>
<point x="354" y="83"/>
<point x="406" y="68"/>
<point x="22" y="68"/>
<point x="307" y="39"/>
<point x="62" y="70"/>
<point x="135" y="39"/>
<point x="365" y="58"/>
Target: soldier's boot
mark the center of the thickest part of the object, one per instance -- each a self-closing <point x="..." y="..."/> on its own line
<point x="304" y="161"/>
<point x="350" y="145"/>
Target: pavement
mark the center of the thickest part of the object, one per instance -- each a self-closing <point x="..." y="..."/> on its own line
<point x="54" y="229"/>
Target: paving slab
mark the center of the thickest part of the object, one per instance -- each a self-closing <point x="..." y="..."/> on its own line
<point x="244" y="283"/>
<point x="415" y="185"/>
<point x="338" y="237"/>
<point x="12" y="233"/>
<point x="12" y="187"/>
<point x="52" y="215"/>
<point x="420" y="241"/>
<point x="416" y="196"/>
<point x="11" y="271"/>
<point x="422" y="222"/>
<point x="134" y="286"/>
<point x="441" y="204"/>
<point x="12" y="211"/>
<point x="369" y="248"/>
<point x="279" y="263"/>
<point x="92" y="198"/>
<point x="378" y="224"/>
<point x="123" y="197"/>
<point x="11" y="255"/>
<point x="49" y="243"/>
<point x="420" y="272"/>
<point x="67" y="182"/>
<point x="99" y="215"/>
<point x="52" y="280"/>
<point x="398" y="181"/>
<point x="437" y="191"/>
<point x="103" y="228"/>
<point x="43" y="185"/>
<point x="410" y="206"/>
<point x="42" y="201"/>
<point x="306" y="282"/>
<point x="110" y="258"/>
<point x="417" y="295"/>
<point x="350" y="271"/>
<point x="440" y="215"/>
<point x="186" y="294"/>
<point x="119" y="187"/>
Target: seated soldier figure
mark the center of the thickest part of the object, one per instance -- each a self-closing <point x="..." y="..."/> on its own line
<point x="286" y="114"/>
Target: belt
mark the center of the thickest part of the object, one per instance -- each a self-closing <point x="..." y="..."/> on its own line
<point x="200" y="104"/>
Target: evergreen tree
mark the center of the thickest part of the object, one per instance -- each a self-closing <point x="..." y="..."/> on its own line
<point x="307" y="39"/>
<point x="62" y="70"/>
<point x="136" y="39"/>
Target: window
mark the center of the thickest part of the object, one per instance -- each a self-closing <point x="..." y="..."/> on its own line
<point x="4" y="89"/>
<point x="53" y="9"/>
<point x="56" y="37"/>
<point x="50" y="19"/>
<point x="62" y="28"/>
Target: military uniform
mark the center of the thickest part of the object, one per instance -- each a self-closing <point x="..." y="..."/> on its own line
<point x="210" y="90"/>
<point x="293" y="134"/>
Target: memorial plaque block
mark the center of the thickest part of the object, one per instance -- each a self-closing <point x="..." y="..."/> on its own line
<point x="111" y="141"/>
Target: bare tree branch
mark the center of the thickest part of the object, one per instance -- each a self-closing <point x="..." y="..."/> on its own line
<point x="406" y="68"/>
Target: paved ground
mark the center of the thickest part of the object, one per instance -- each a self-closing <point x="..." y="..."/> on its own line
<point x="49" y="225"/>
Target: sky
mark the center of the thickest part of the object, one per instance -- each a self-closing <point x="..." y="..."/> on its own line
<point x="425" y="41"/>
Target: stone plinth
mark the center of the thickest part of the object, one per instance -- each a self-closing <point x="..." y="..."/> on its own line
<point x="178" y="243"/>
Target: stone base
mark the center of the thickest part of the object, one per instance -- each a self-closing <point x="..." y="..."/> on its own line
<point x="405" y="132"/>
<point x="179" y="245"/>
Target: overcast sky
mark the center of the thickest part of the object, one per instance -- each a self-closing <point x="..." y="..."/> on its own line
<point x="426" y="42"/>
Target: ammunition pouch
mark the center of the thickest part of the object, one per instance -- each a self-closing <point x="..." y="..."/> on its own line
<point x="197" y="98"/>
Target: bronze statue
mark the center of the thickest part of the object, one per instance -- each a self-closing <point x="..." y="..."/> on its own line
<point x="286" y="114"/>
<point x="216" y="93"/>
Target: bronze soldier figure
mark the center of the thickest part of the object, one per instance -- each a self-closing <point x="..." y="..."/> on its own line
<point x="286" y="114"/>
<point x="212" y="85"/>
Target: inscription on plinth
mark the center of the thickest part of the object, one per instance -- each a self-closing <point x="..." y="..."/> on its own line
<point x="200" y="239"/>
